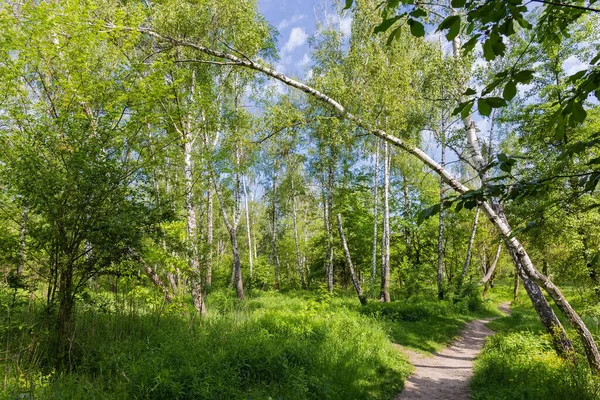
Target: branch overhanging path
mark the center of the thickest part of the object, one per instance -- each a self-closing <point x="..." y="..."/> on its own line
<point x="512" y="242"/>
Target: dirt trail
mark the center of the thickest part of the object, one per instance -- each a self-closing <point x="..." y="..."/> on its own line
<point x="446" y="375"/>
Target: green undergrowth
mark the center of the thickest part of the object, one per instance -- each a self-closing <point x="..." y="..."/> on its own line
<point x="427" y="325"/>
<point x="272" y="346"/>
<point x="518" y="362"/>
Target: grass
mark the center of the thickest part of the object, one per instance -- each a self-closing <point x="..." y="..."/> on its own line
<point x="280" y="346"/>
<point x="290" y="345"/>
<point x="519" y="362"/>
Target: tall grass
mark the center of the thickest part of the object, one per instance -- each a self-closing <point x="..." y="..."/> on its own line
<point x="519" y="363"/>
<point x="272" y="346"/>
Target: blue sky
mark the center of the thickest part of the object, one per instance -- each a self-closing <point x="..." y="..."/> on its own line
<point x="296" y="21"/>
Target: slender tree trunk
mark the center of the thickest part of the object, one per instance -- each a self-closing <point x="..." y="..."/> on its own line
<point x="274" y="256"/>
<point x="469" y="252"/>
<point x="407" y="231"/>
<point x="440" y="261"/>
<point x="248" y="230"/>
<point x="23" y="243"/>
<point x="65" y="318"/>
<point x="490" y="271"/>
<point x="385" y="262"/>
<point x="191" y="227"/>
<point x="355" y="282"/>
<point x="155" y="279"/>
<point x="296" y="241"/>
<point x="550" y="321"/>
<point x="209" y="236"/>
<point x="232" y="226"/>
<point x="237" y="266"/>
<point x="330" y="226"/>
<point x="375" y="208"/>
<point x="516" y="288"/>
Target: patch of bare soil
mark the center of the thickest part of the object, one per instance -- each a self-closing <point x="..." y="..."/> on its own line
<point x="446" y="375"/>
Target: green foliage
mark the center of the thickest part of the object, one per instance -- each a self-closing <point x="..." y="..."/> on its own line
<point x="518" y="362"/>
<point x="272" y="346"/>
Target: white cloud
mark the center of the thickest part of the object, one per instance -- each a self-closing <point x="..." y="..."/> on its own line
<point x="287" y="22"/>
<point x="309" y="74"/>
<point x="573" y="65"/>
<point x="305" y="60"/>
<point x="297" y="38"/>
<point x="346" y="26"/>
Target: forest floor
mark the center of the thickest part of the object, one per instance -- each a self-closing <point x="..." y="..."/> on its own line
<point x="446" y="374"/>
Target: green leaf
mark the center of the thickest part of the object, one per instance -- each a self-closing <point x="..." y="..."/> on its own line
<point x="454" y="30"/>
<point x="502" y="157"/>
<point x="459" y="206"/>
<point x="428" y="212"/>
<point x="416" y="28"/>
<point x="418" y="12"/>
<point x="466" y="111"/>
<point x="385" y="24"/>
<point x="458" y="3"/>
<point x="483" y="107"/>
<point x="488" y="51"/>
<point x="523" y="76"/>
<point x="448" y="22"/>
<point x="510" y="91"/>
<point x="524" y="23"/>
<point x="393" y="35"/>
<point x="578" y="114"/>
<point x="348" y="4"/>
<point x="496" y="102"/>
<point x="469" y="92"/>
<point x="470" y="44"/>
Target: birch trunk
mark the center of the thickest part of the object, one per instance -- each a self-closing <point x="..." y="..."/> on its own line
<point x="355" y="282"/>
<point x="375" y="207"/>
<point x="469" y="251"/>
<point x="232" y="229"/>
<point x="385" y="250"/>
<point x="248" y="230"/>
<point x="209" y="236"/>
<point x="492" y="268"/>
<point x="191" y="227"/>
<point x="296" y="240"/>
<point x="516" y="288"/>
<point x="440" y="261"/>
<point x="274" y="256"/>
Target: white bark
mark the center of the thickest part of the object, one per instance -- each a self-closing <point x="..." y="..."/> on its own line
<point x="490" y="271"/>
<point x="248" y="230"/>
<point x="375" y="207"/>
<point x="385" y="248"/>
<point x="469" y="249"/>
<point x="359" y="292"/>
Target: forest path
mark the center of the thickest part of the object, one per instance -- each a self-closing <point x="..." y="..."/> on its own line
<point x="446" y="375"/>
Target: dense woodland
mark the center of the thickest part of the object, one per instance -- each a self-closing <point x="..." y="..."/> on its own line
<point x="179" y="219"/>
